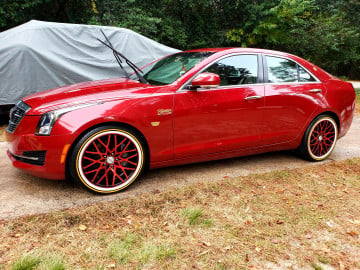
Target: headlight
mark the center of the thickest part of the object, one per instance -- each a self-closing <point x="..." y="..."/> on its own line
<point x="46" y="123"/>
<point x="48" y="119"/>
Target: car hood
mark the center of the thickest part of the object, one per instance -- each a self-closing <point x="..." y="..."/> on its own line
<point x="87" y="92"/>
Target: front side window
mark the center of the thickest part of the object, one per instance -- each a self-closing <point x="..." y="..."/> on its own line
<point x="235" y="70"/>
<point x="283" y="70"/>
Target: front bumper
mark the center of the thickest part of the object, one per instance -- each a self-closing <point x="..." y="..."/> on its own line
<point x="42" y="156"/>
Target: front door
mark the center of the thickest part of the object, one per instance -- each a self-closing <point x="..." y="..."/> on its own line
<point x="224" y="118"/>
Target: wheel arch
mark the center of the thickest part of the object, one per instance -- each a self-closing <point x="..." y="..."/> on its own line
<point x="331" y="114"/>
<point x="137" y="132"/>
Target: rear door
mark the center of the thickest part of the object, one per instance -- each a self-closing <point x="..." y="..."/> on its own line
<point x="292" y="95"/>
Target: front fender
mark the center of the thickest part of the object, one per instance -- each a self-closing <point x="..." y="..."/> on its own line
<point x="142" y="114"/>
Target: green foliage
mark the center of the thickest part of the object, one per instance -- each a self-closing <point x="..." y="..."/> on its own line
<point x="319" y="31"/>
<point x="324" y="32"/>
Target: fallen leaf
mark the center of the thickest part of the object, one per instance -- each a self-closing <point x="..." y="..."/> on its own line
<point x="82" y="227"/>
<point x="203" y="253"/>
<point x="279" y="222"/>
<point x="206" y="244"/>
<point x="247" y="258"/>
<point x="330" y="224"/>
<point x="352" y="233"/>
<point x="275" y="241"/>
<point x="227" y="248"/>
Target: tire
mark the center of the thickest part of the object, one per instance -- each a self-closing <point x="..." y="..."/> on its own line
<point x="319" y="139"/>
<point x="107" y="159"/>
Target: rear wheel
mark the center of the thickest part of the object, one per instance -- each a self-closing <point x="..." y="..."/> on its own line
<point x="319" y="139"/>
<point x="107" y="159"/>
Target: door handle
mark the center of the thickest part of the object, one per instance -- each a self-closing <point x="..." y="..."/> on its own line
<point x="315" y="90"/>
<point x="253" y="97"/>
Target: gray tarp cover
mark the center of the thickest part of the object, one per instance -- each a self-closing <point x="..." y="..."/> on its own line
<point x="37" y="56"/>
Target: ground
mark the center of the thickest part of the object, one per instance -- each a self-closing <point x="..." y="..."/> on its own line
<point x="305" y="218"/>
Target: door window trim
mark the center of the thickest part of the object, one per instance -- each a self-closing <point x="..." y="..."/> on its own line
<point x="266" y="74"/>
<point x="260" y="71"/>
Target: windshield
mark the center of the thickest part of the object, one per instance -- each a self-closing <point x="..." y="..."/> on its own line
<point x="170" y="68"/>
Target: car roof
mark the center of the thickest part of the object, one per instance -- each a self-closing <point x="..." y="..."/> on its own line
<point x="241" y="50"/>
<point x="320" y="73"/>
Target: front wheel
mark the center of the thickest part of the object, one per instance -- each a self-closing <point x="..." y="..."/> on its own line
<point x="107" y="159"/>
<point x="319" y="139"/>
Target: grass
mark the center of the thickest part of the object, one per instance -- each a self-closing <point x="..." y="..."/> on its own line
<point x="301" y="218"/>
<point x="26" y="263"/>
<point x="36" y="262"/>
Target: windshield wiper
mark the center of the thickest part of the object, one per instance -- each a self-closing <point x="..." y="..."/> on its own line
<point x="118" y="54"/>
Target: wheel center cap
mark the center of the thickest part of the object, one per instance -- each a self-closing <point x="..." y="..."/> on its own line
<point x="320" y="138"/>
<point x="110" y="160"/>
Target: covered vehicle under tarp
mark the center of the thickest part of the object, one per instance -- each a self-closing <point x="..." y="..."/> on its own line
<point x="37" y="56"/>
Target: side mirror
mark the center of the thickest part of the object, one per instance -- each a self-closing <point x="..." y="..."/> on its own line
<point x="206" y="80"/>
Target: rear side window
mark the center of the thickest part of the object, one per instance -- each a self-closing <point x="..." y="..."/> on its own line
<point x="235" y="70"/>
<point x="283" y="70"/>
<point x="305" y="76"/>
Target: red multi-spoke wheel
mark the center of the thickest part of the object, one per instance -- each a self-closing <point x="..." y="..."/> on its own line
<point x="320" y="138"/>
<point x="107" y="160"/>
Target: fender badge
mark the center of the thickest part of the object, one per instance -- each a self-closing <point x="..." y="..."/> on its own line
<point x="164" y="111"/>
<point x="155" y="124"/>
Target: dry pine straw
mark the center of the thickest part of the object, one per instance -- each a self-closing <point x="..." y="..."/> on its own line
<point x="303" y="217"/>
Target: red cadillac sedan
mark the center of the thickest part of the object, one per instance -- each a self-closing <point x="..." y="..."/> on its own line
<point x="192" y="106"/>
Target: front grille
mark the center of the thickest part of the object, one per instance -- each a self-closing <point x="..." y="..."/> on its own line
<point x="32" y="157"/>
<point x="16" y="114"/>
